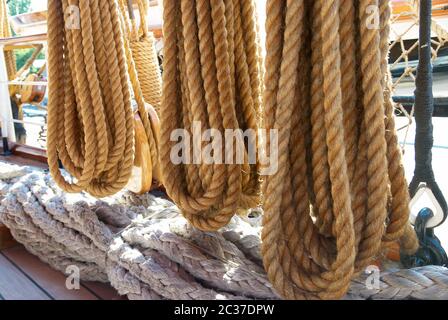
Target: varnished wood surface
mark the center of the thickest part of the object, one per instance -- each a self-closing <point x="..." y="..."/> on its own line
<point x="24" y="277"/>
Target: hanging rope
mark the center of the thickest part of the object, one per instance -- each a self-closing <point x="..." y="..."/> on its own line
<point x="211" y="76"/>
<point x="90" y="119"/>
<point x="5" y="32"/>
<point x="424" y="109"/>
<point x="138" y="60"/>
<point x="144" y="54"/>
<point x="340" y="192"/>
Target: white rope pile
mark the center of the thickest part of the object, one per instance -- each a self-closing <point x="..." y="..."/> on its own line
<point x="429" y="282"/>
<point x="61" y="229"/>
<point x="146" y="250"/>
<point x="140" y="244"/>
<point x="180" y="262"/>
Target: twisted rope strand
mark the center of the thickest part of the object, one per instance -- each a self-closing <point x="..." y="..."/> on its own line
<point x="211" y="76"/>
<point x="90" y="119"/>
<point x="339" y="194"/>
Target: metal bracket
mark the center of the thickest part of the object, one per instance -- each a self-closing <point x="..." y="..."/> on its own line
<point x="424" y="198"/>
<point x="6" y="151"/>
<point x="431" y="251"/>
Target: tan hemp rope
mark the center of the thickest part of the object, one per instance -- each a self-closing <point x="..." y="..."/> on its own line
<point x="212" y="75"/>
<point x="340" y="191"/>
<point x="5" y="32"/>
<point x="90" y="119"/>
<point x="144" y="53"/>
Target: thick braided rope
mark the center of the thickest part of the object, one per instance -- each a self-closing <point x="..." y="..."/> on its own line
<point x="56" y="257"/>
<point x="165" y="277"/>
<point x="59" y="233"/>
<point x="338" y="149"/>
<point x="127" y="284"/>
<point x="212" y="77"/>
<point x="424" y="283"/>
<point x="159" y="255"/>
<point x="198" y="252"/>
<point x="65" y="230"/>
<point x="245" y="237"/>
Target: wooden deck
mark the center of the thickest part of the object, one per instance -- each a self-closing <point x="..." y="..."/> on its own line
<point x="24" y="277"/>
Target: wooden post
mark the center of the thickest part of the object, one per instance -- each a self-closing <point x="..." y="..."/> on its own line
<point x="6" y="120"/>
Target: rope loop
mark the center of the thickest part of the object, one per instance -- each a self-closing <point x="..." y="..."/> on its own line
<point x="211" y="77"/>
<point x="90" y="118"/>
<point x="340" y="194"/>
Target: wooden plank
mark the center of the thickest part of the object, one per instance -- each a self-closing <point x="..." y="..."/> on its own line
<point x="439" y="8"/>
<point x="52" y="281"/>
<point x="20" y="46"/>
<point x="29" y="152"/>
<point x="24" y="160"/>
<point x="14" y="285"/>
<point x="103" y="290"/>
<point x="35" y="38"/>
<point x="6" y="239"/>
<point x="21" y="161"/>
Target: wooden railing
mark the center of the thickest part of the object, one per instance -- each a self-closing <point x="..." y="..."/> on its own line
<point x="401" y="7"/>
<point x="6" y="119"/>
<point x="21" y="41"/>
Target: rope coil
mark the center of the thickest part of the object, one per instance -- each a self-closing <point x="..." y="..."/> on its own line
<point x="340" y="193"/>
<point x="90" y="119"/>
<point x="212" y="77"/>
<point x="144" y="54"/>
